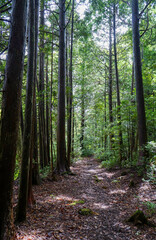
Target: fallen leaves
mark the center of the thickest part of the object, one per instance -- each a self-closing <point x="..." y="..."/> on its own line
<point x="107" y="195"/>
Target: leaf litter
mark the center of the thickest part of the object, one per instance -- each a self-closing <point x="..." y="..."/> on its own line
<point x="56" y="213"/>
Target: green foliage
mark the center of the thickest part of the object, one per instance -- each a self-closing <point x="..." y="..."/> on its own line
<point x="150" y="206"/>
<point x="87" y="152"/>
<point x="77" y="202"/>
<point x="45" y="172"/>
<point x="151" y="166"/>
<point x="85" y="212"/>
<point x="111" y="163"/>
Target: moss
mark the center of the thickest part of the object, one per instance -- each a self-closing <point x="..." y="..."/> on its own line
<point x="138" y="218"/>
<point x="77" y="202"/>
<point x="96" y="178"/>
<point x="85" y="212"/>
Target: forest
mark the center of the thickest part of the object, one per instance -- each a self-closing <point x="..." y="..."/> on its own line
<point x="77" y="119"/>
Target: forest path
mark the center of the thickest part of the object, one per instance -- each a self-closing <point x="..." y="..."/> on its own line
<point x="106" y="193"/>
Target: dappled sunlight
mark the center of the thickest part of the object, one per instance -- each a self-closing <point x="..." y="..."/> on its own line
<point x="143" y="196"/>
<point x="92" y="171"/>
<point x="117" y="191"/>
<point x="101" y="206"/>
<point x="108" y="175"/>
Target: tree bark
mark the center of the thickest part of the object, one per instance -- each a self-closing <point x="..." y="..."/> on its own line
<point x="117" y="84"/>
<point x="70" y="90"/>
<point x="110" y="78"/>
<point x="24" y="179"/>
<point x="47" y="114"/>
<point x="142" y="132"/>
<point x="42" y="134"/>
<point x="61" y="148"/>
<point x="35" y="168"/>
<point x="11" y="107"/>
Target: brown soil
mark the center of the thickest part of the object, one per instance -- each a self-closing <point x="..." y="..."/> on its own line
<point x="108" y="194"/>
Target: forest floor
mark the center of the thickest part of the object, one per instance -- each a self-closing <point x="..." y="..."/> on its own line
<point x="107" y="193"/>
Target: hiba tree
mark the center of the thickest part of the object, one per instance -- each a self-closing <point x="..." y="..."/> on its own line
<point x="11" y="106"/>
<point x="23" y="191"/>
<point x="117" y="83"/>
<point x="70" y="94"/>
<point x="142" y="132"/>
<point x="62" y="165"/>
<point x="110" y="77"/>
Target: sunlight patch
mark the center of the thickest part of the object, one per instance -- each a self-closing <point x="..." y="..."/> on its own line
<point x="101" y="205"/>
<point x="119" y="191"/>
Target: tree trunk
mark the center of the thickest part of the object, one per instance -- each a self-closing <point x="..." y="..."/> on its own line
<point x="142" y="132"/>
<point x="47" y="114"/>
<point x="117" y="85"/>
<point x="43" y="147"/>
<point x="23" y="191"/>
<point x="35" y="167"/>
<point x="70" y="91"/>
<point x="110" y="79"/>
<point x="61" y="149"/>
<point x="51" y="105"/>
<point x="82" y="115"/>
<point x="11" y="107"/>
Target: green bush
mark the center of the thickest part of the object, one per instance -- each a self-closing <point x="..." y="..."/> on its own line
<point x="151" y="166"/>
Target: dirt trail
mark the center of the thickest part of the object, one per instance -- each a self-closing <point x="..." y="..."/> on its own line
<point x="106" y="193"/>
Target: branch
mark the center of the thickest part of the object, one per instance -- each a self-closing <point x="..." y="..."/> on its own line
<point x="68" y="20"/>
<point x="3" y="50"/>
<point x="6" y="20"/>
<point x="5" y="10"/>
<point x="5" y="4"/>
<point x="68" y="5"/>
<point x="140" y="14"/>
<point x="146" y="27"/>
<point x="126" y="2"/>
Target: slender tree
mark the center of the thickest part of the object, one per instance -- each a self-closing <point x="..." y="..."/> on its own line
<point x="42" y="133"/>
<point x="35" y="167"/>
<point x="117" y="83"/>
<point x="23" y="191"/>
<point x="61" y="149"/>
<point x="110" y="76"/>
<point x="70" y="95"/>
<point x="10" y="117"/>
<point x="142" y="132"/>
<point x="47" y="114"/>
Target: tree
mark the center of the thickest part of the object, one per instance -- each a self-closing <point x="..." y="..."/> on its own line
<point x="117" y="82"/>
<point x="42" y="133"/>
<point x="11" y="107"/>
<point x="142" y="132"/>
<point x="110" y="76"/>
<point x="70" y="95"/>
<point x="24" y="179"/>
<point x="61" y="149"/>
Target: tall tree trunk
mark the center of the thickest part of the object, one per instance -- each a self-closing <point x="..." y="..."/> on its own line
<point x="132" y="134"/>
<point x="51" y="105"/>
<point x="35" y="167"/>
<point x="142" y="132"/>
<point x="47" y="113"/>
<point x="61" y="149"/>
<point x="82" y="115"/>
<point x="70" y="90"/>
<point x="11" y="107"/>
<point x="43" y="147"/>
<point x="73" y="135"/>
<point x="105" y="111"/>
<point x="110" y="77"/>
<point x="23" y="191"/>
<point x="117" y="84"/>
